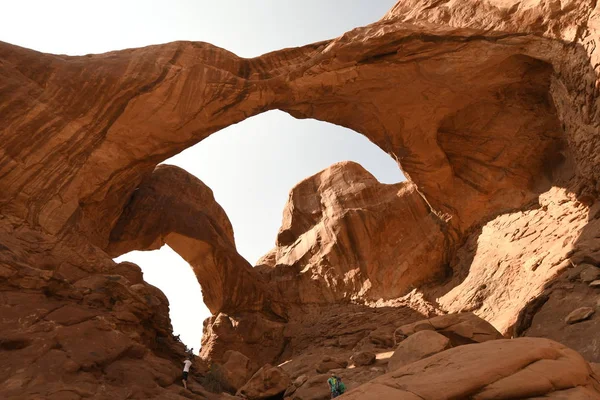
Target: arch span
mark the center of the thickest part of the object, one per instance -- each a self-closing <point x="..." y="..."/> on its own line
<point x="402" y="86"/>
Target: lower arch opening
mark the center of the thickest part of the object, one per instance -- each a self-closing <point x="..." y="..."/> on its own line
<point x="166" y="270"/>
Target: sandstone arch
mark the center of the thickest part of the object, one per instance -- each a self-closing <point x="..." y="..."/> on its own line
<point x="485" y="104"/>
<point x="90" y="148"/>
<point x="175" y="208"/>
<point x="181" y="92"/>
<point x="82" y="133"/>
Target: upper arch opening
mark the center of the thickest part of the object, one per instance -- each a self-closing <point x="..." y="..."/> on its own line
<point x="252" y="166"/>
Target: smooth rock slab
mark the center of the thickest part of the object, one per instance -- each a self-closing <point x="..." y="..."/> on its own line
<point x="499" y="369"/>
<point x="315" y="388"/>
<point x="416" y="347"/>
<point x="579" y="315"/>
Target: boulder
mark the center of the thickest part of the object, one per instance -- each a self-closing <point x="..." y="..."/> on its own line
<point x="382" y="336"/>
<point x="461" y="328"/>
<point x="416" y="347"/>
<point x="299" y="381"/>
<point x="329" y="363"/>
<point x="399" y="336"/>
<point x="363" y="358"/>
<point x="235" y="371"/>
<point x="267" y="382"/>
<point x="578" y="315"/>
<point x="315" y="388"/>
<point x="501" y="369"/>
<point x="590" y="274"/>
<point x="129" y="270"/>
<point x="423" y="326"/>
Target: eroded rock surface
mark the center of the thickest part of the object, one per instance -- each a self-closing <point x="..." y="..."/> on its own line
<point x="175" y="208"/>
<point x="491" y="109"/>
<point x="66" y="333"/>
<point x="236" y="370"/>
<point x="268" y="382"/>
<point x="460" y="328"/>
<point x="363" y="239"/>
<point x="418" y="346"/>
<point x="499" y="369"/>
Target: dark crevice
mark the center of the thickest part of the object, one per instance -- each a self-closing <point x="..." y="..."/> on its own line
<point x="13" y="344"/>
<point x="525" y="318"/>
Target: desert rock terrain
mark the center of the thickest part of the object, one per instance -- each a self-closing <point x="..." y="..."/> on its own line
<point x="480" y="274"/>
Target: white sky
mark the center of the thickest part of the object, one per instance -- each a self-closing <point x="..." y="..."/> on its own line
<point x="251" y="166"/>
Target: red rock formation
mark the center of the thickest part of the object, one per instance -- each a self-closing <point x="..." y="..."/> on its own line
<point x="507" y="124"/>
<point x="500" y="369"/>
<point x="508" y="100"/>
<point x="490" y="107"/>
<point x="347" y="236"/>
<point x="68" y="331"/>
<point x="175" y="208"/>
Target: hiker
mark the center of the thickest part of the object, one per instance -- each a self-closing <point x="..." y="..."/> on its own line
<point x="186" y="369"/>
<point x="336" y="385"/>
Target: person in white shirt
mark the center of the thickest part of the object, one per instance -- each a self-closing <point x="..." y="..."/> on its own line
<point x="186" y="369"/>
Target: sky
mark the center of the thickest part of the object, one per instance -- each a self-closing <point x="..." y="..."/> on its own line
<point x="250" y="166"/>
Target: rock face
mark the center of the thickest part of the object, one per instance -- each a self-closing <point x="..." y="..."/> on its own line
<point x="65" y="331"/>
<point x="365" y="239"/>
<point x="490" y="108"/>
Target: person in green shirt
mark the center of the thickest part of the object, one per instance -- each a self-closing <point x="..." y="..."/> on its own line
<point x="336" y="385"/>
